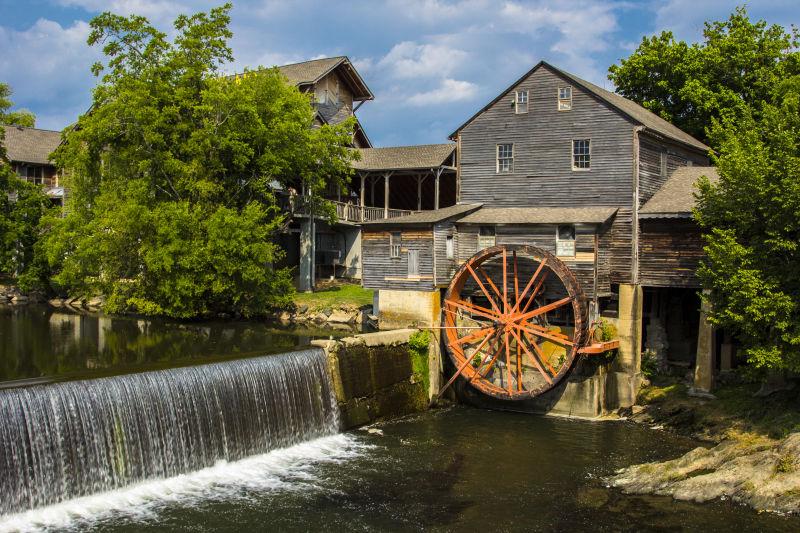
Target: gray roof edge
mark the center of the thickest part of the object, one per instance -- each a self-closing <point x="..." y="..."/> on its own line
<point x="414" y="219"/>
<point x="604" y="213"/>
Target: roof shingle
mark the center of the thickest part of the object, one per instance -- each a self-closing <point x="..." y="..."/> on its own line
<point x="426" y="217"/>
<point x="30" y="145"/>
<point x="540" y="215"/>
<point x="676" y="197"/>
<point x="404" y="157"/>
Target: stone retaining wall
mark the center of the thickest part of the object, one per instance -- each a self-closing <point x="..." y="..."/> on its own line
<point x="379" y="376"/>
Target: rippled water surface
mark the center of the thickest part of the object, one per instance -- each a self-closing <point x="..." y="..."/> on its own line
<point x="459" y="469"/>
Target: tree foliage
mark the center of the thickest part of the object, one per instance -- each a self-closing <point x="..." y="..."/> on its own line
<point x="170" y="206"/>
<point x="22" y="204"/>
<point x="751" y="219"/>
<point x="730" y="73"/>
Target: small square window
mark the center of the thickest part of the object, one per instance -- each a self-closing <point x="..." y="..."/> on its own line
<point x="486" y="237"/>
<point x="565" y="240"/>
<point x="564" y="98"/>
<point x="521" y="102"/>
<point x="449" y="247"/>
<point x="505" y="158"/>
<point x="581" y="154"/>
<point x="395" y="240"/>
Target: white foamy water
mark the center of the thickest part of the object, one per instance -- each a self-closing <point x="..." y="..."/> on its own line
<point x="284" y="469"/>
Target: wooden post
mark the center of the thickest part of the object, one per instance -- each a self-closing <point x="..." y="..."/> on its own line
<point x="386" y="194"/>
<point x="437" y="174"/>
<point x="419" y="192"/>
<point x="363" y="194"/>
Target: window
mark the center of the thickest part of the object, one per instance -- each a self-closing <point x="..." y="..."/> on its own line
<point x="31" y="174"/>
<point x="565" y="240"/>
<point x="564" y="98"/>
<point x="521" y="102"/>
<point x="395" y="240"/>
<point x="449" y="247"/>
<point x="413" y="263"/>
<point x="505" y="158"/>
<point x="581" y="154"/>
<point x="486" y="237"/>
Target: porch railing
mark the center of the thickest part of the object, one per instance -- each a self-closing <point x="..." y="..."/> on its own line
<point x="350" y="212"/>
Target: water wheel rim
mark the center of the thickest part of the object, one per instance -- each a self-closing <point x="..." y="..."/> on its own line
<point x="506" y="327"/>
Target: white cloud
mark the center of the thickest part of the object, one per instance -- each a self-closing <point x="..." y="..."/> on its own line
<point x="155" y="10"/>
<point x="448" y="91"/>
<point x="411" y="60"/>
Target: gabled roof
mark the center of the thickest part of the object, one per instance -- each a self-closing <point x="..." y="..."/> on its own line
<point x="426" y="217"/>
<point x="404" y="157"/>
<point x="310" y="72"/>
<point x="30" y="145"/>
<point x="539" y="215"/>
<point x="675" y="199"/>
<point x="631" y="109"/>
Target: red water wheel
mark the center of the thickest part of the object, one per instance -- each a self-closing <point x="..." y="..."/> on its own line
<point x="515" y="320"/>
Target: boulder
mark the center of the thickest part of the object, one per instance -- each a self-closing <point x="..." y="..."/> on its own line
<point x="56" y="302"/>
<point x="19" y="299"/>
<point x="341" y="317"/>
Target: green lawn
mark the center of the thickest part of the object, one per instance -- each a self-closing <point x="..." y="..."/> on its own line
<point x="339" y="295"/>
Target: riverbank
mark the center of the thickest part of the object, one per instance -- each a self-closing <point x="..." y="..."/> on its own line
<point x="755" y="459"/>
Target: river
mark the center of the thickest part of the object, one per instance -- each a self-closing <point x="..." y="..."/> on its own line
<point x="453" y="469"/>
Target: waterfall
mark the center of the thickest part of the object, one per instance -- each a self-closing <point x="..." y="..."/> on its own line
<point x="66" y="440"/>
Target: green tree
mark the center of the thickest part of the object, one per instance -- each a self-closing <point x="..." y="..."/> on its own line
<point x="21" y="117"/>
<point x="732" y="71"/>
<point x="751" y="221"/>
<point x="22" y="205"/>
<point x="170" y="205"/>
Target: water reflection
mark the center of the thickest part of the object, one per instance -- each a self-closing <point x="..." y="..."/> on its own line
<point x="41" y="342"/>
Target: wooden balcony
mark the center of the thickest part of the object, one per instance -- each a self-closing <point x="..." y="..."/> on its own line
<point x="347" y="212"/>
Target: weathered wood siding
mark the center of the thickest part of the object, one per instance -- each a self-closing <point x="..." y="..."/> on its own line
<point x="380" y="271"/>
<point x="542" y="236"/>
<point x="445" y="268"/>
<point x="542" y="138"/>
<point x="651" y="177"/>
<point x="670" y="251"/>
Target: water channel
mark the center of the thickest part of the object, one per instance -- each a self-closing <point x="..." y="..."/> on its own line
<point x="454" y="469"/>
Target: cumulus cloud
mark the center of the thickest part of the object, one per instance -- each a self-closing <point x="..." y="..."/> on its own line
<point x="448" y="91"/>
<point x="411" y="60"/>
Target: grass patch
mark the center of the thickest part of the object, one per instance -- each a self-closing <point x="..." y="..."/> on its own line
<point x="335" y="295"/>
<point x="785" y="465"/>
<point x="658" y="394"/>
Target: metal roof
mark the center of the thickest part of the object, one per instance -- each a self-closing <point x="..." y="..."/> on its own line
<point x="404" y="157"/>
<point x="426" y="217"/>
<point x="539" y="215"/>
<point x="676" y="197"/>
<point x="627" y="107"/>
<point x="30" y="145"/>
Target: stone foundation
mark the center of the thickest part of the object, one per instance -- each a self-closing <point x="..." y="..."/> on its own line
<point x="403" y="309"/>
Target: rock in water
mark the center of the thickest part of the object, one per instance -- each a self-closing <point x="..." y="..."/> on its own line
<point x="755" y="471"/>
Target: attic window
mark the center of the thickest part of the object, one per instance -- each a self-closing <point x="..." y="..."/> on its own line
<point x="564" y="98"/>
<point x="395" y="240"/>
<point x="505" y="158"/>
<point x="521" y="102"/>
<point x="581" y="154"/>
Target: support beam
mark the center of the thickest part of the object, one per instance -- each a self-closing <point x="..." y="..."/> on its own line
<point x="386" y="194"/>
<point x="437" y="174"/>
<point x="704" y="361"/>
<point x="419" y="192"/>
<point x="363" y="194"/>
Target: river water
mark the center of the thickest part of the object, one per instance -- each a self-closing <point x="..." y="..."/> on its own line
<point x="455" y="469"/>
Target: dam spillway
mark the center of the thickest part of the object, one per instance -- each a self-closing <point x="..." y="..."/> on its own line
<point x="66" y="440"/>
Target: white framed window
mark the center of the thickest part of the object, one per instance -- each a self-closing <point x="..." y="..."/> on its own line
<point x="564" y="98"/>
<point x="505" y="158"/>
<point x="486" y="237"/>
<point x="413" y="263"/>
<point x="449" y="247"/>
<point x="520" y="102"/>
<point x="581" y="154"/>
<point x="565" y="240"/>
<point x="395" y="240"/>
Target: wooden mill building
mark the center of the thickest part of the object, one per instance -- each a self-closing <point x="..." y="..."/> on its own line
<point x="560" y="163"/>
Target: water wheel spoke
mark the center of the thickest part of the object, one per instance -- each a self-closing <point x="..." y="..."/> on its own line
<point x="472" y="336"/>
<point x="541" y="356"/>
<point x="506" y="307"/>
<point x="519" y="368"/>
<point x="489" y="281"/>
<point x="508" y="363"/>
<point x="535" y="292"/>
<point x="528" y="286"/>
<point x="467" y="361"/>
<point x="541" y="332"/>
<point x="483" y="289"/>
<point x="516" y="282"/>
<point x="472" y="308"/>
<point x="544" y="309"/>
<point x="535" y="360"/>
<point x="484" y="372"/>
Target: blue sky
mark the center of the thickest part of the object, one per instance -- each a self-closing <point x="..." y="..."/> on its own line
<point x="430" y="63"/>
